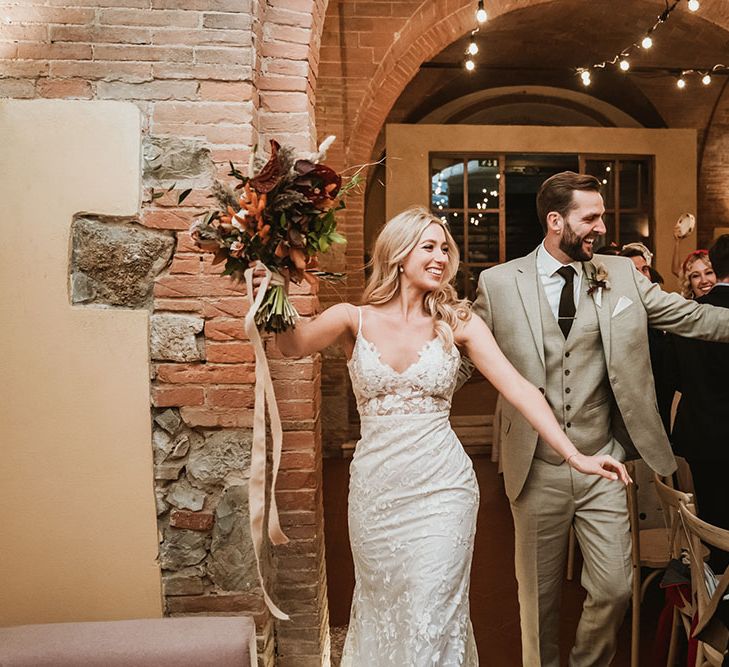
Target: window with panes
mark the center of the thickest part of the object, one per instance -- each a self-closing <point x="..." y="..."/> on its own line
<point x="488" y="201"/>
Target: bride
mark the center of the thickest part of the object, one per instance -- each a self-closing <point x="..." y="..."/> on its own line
<point x="413" y="496"/>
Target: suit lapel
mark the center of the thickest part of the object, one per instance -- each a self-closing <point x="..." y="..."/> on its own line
<point x="526" y="283"/>
<point x="603" y="311"/>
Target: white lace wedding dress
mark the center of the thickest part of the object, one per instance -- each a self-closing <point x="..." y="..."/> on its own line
<point x="413" y="500"/>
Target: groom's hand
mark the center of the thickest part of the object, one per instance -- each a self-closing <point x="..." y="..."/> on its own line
<point x="603" y="465"/>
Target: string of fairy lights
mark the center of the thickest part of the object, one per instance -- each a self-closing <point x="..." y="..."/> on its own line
<point x="623" y="60"/>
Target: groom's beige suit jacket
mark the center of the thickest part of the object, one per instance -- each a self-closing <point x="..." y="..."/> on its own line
<point x="508" y="301"/>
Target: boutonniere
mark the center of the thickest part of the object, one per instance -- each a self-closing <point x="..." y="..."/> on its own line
<point x="598" y="281"/>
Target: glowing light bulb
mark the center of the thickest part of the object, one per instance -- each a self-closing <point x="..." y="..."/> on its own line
<point x="481" y="15"/>
<point x="604" y="181"/>
<point x="647" y="42"/>
<point x="624" y="65"/>
<point x="694" y="5"/>
<point x="473" y="48"/>
<point x="608" y="168"/>
<point x="706" y="79"/>
<point x="681" y="83"/>
<point x="470" y="65"/>
<point x="586" y="79"/>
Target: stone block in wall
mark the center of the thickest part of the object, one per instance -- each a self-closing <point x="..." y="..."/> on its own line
<point x="168" y="471"/>
<point x="174" y="337"/>
<point x="188" y="581"/>
<point x="114" y="261"/>
<point x="181" y="548"/>
<point x="219" y="455"/>
<point x="161" y="503"/>
<point x="169" y="420"/>
<point x="170" y="448"/>
<point x="183" y="495"/>
<point x="231" y="564"/>
<point x="183" y="162"/>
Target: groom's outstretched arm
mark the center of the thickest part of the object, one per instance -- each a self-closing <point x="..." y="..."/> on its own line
<point x="482" y="308"/>
<point x="671" y="312"/>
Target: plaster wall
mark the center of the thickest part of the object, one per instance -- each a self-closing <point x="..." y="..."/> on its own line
<point x="674" y="151"/>
<point x="77" y="507"/>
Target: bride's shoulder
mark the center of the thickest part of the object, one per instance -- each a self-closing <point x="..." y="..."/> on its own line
<point x="467" y="327"/>
<point x="346" y="314"/>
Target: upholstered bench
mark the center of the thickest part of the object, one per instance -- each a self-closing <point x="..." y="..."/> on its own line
<point x="195" y="641"/>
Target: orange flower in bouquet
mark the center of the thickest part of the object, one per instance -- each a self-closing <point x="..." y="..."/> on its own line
<point x="283" y="215"/>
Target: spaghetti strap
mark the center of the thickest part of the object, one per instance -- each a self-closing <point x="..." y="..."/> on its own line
<point x="359" y="313"/>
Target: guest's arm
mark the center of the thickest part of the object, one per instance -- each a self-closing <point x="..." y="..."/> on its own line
<point x="671" y="312"/>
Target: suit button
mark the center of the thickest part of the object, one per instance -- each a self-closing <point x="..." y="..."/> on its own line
<point x="568" y="407"/>
<point x="567" y="372"/>
<point x="569" y="424"/>
<point x="567" y="391"/>
<point x="566" y="354"/>
<point x="541" y="389"/>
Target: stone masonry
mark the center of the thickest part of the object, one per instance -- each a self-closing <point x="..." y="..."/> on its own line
<point x="212" y="80"/>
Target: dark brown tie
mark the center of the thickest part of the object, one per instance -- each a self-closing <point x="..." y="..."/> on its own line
<point x="566" y="313"/>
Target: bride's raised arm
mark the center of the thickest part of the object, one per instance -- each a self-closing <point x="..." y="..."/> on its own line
<point x="313" y="335"/>
<point x="480" y="346"/>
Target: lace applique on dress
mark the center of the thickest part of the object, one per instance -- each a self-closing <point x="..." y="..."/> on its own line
<point x="427" y="385"/>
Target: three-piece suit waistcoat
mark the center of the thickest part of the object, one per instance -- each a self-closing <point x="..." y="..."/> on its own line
<point x="577" y="386"/>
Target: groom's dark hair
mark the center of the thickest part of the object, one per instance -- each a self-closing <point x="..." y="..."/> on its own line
<point x="719" y="257"/>
<point x="555" y="194"/>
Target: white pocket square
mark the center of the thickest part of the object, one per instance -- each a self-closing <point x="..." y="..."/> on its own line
<point x="621" y="305"/>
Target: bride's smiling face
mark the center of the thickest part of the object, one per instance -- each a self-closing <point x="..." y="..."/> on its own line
<point x="425" y="266"/>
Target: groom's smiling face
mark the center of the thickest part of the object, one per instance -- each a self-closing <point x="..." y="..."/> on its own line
<point x="583" y="225"/>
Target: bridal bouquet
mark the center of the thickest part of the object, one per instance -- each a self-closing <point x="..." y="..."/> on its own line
<point x="281" y="214"/>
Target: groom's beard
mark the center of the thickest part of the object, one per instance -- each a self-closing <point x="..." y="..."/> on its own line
<point x="571" y="245"/>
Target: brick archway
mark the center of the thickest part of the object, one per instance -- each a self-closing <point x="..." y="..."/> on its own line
<point x="369" y="57"/>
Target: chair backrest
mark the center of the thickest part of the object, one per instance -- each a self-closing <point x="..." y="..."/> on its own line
<point x="700" y="532"/>
<point x="671" y="500"/>
<point x="650" y="532"/>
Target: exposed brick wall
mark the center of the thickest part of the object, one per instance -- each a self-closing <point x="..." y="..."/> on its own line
<point x="231" y="74"/>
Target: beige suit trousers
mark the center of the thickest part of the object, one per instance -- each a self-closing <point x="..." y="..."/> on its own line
<point x="555" y="497"/>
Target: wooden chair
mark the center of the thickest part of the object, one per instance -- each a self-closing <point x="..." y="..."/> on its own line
<point x="671" y="501"/>
<point x="651" y="549"/>
<point x="699" y="534"/>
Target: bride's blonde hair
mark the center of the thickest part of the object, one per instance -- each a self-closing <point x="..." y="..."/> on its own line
<point x="395" y="242"/>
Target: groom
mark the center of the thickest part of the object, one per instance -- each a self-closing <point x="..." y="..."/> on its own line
<point x="576" y="328"/>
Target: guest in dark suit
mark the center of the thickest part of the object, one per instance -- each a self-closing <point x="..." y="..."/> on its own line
<point x="701" y="429"/>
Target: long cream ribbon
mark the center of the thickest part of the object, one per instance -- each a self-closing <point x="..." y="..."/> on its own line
<point x="264" y="396"/>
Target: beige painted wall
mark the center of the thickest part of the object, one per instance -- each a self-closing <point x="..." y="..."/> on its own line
<point x="78" y="534"/>
<point x="408" y="180"/>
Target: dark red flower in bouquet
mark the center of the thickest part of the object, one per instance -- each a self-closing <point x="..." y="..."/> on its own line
<point x="271" y="173"/>
<point x="318" y="183"/>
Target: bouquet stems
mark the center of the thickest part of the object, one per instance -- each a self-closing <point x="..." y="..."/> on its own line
<point x="276" y="313"/>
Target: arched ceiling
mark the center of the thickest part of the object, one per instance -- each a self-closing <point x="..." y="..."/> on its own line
<point x="542" y="45"/>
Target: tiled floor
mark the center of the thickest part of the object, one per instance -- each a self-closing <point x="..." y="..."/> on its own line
<point x="494" y="608"/>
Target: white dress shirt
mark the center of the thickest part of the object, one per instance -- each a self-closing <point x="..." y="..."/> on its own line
<point x="547" y="267"/>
